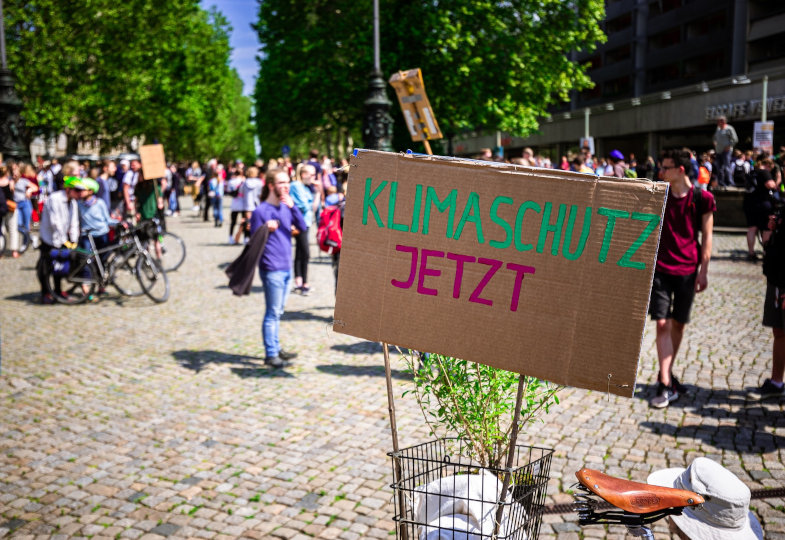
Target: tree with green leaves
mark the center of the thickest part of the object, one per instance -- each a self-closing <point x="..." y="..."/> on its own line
<point x="486" y="64"/>
<point x="112" y="71"/>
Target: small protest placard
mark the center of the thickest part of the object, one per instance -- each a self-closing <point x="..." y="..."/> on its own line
<point x="153" y="161"/>
<point x="417" y="111"/>
<point x="763" y="136"/>
<point x="541" y="272"/>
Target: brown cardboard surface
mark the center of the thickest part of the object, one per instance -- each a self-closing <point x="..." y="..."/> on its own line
<point x="153" y="161"/>
<point x="417" y="112"/>
<point x="578" y="320"/>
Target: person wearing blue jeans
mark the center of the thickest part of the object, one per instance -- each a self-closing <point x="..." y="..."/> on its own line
<point x="276" y="291"/>
<point x="25" y="213"/>
<point x="278" y="212"/>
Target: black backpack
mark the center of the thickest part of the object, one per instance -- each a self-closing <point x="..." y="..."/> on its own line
<point x="740" y="177"/>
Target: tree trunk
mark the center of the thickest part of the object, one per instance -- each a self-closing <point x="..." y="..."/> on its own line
<point x="72" y="143"/>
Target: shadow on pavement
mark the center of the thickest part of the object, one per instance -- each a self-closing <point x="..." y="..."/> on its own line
<point x="251" y="366"/>
<point x="734" y="255"/>
<point x="30" y="297"/>
<point x="304" y="315"/>
<point x="361" y="347"/>
<point x="262" y="373"/>
<point x="321" y="260"/>
<point x="361" y="371"/>
<point x="742" y="422"/>
<point x="197" y="360"/>
<point x="254" y="288"/>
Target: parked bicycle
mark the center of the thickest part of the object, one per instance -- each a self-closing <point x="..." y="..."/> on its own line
<point x="26" y="240"/>
<point x="172" y="246"/>
<point x="633" y="504"/>
<point x="121" y="265"/>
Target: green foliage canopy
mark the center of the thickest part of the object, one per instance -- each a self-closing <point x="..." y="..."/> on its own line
<point x="111" y="71"/>
<point x="486" y="64"/>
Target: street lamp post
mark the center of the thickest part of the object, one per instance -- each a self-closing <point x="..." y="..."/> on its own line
<point x="11" y="124"/>
<point x="377" y="122"/>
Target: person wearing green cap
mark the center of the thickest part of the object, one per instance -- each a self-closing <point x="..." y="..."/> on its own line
<point x="94" y="219"/>
<point x="59" y="227"/>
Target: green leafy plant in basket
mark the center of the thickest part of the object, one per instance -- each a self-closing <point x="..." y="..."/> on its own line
<point x="475" y="402"/>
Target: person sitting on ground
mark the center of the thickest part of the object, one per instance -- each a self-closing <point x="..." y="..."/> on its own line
<point x="726" y="513"/>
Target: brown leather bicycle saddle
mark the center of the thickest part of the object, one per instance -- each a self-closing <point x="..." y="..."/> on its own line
<point x="635" y="497"/>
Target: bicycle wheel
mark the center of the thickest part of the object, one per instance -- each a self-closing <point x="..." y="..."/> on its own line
<point x="124" y="276"/>
<point x="76" y="287"/>
<point x="172" y="251"/>
<point x="24" y="241"/>
<point x="152" y="277"/>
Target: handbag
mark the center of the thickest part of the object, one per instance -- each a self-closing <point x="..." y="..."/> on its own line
<point x="61" y="261"/>
<point x="11" y="205"/>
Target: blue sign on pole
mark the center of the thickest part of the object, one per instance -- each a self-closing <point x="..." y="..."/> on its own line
<point x="286" y="150"/>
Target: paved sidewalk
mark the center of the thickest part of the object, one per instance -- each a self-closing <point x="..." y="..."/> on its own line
<point x="126" y="419"/>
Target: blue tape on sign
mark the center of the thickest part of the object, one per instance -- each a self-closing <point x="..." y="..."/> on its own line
<point x="356" y="151"/>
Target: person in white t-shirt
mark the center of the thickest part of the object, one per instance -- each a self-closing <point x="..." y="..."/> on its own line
<point x="130" y="179"/>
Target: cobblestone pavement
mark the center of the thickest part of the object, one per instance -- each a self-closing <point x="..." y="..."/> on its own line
<point x="128" y="419"/>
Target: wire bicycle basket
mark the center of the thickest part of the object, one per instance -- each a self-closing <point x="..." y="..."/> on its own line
<point x="440" y="493"/>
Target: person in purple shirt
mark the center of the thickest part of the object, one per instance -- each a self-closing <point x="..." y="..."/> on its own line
<point x="278" y="212"/>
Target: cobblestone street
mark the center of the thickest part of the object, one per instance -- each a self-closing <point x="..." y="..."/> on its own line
<point x="127" y="419"/>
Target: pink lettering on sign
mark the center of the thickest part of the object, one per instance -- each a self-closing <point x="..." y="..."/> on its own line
<point x="413" y="272"/>
<point x="425" y="271"/>
<point x="494" y="267"/>
<point x="418" y="273"/>
<point x="520" y="270"/>
<point x="459" y="262"/>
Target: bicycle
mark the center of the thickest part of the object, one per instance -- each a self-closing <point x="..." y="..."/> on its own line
<point x="633" y="504"/>
<point x="127" y="260"/>
<point x="25" y="241"/>
<point x="172" y="246"/>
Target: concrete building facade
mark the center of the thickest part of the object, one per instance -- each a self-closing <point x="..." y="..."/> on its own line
<point x="668" y="69"/>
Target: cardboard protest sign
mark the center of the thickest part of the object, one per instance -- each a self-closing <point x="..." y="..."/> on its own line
<point x="536" y="271"/>
<point x="417" y="111"/>
<point x="153" y="161"/>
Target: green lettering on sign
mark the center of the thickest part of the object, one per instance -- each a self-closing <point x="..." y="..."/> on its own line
<point x="368" y="202"/>
<point x="565" y="250"/>
<point x="501" y="244"/>
<point x="416" y="211"/>
<point x="432" y="199"/>
<point x="391" y="210"/>
<point x="528" y="205"/>
<point x="626" y="259"/>
<point x="548" y="227"/>
<point x="471" y="213"/>
<point x="611" y="214"/>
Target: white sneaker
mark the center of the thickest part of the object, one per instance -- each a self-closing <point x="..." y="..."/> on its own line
<point x="196" y="208"/>
<point x="232" y="241"/>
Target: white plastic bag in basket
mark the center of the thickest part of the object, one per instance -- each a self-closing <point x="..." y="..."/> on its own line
<point x="474" y="496"/>
<point x="454" y="527"/>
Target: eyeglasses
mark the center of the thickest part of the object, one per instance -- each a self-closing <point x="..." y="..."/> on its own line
<point x="664" y="168"/>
